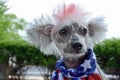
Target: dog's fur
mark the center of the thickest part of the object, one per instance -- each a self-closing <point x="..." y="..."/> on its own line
<point x="69" y="37"/>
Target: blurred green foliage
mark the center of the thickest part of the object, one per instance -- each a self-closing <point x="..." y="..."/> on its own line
<point x="24" y="53"/>
<point x="12" y="44"/>
<point x="9" y="24"/>
<point x="108" y="53"/>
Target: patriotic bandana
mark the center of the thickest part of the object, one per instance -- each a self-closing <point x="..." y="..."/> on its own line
<point x="87" y="68"/>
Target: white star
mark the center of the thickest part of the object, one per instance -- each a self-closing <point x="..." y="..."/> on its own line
<point x="60" y="77"/>
<point x="94" y="57"/>
<point x="86" y="65"/>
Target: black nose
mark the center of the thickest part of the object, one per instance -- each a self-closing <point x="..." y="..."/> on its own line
<point x="77" y="46"/>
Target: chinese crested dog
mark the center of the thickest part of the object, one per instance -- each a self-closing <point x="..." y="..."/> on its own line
<point x="71" y="34"/>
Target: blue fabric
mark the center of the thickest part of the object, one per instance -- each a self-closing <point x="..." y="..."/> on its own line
<point x="86" y="68"/>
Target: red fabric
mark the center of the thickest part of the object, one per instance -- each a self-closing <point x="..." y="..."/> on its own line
<point x="92" y="77"/>
<point x="65" y="78"/>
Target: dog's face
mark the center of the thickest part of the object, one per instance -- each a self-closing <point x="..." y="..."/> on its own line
<point x="68" y="38"/>
<point x="71" y="38"/>
<point x="72" y="34"/>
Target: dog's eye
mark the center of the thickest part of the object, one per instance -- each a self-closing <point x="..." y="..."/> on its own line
<point x="82" y="31"/>
<point x="64" y="31"/>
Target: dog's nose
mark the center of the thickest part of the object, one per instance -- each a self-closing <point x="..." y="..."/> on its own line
<point x="77" y="46"/>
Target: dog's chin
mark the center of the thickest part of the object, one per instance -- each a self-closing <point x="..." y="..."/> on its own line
<point x="72" y="60"/>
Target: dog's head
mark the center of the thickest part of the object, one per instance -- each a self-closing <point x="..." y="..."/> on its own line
<point x="73" y="33"/>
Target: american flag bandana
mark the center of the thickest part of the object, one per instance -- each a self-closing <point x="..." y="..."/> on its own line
<point x="85" y="70"/>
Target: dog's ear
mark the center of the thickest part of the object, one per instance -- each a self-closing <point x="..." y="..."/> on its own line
<point x="48" y="29"/>
<point x="40" y="36"/>
<point x="97" y="28"/>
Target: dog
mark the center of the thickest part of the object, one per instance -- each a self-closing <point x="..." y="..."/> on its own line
<point x="70" y="34"/>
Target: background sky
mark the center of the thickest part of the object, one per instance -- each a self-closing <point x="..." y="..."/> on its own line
<point x="30" y="9"/>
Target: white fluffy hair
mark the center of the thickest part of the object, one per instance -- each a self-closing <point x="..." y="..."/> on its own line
<point x="38" y="36"/>
<point x="39" y="32"/>
<point x="97" y="30"/>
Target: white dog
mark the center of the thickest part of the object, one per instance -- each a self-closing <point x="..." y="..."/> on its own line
<point x="70" y="34"/>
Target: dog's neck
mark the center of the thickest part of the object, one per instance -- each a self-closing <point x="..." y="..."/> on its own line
<point x="73" y="62"/>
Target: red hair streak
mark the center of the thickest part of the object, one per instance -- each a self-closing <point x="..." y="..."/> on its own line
<point x="70" y="10"/>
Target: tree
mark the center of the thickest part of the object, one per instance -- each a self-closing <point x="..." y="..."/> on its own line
<point x="9" y="27"/>
<point x="13" y="48"/>
<point x="25" y="54"/>
<point x="108" y="54"/>
<point x="9" y="24"/>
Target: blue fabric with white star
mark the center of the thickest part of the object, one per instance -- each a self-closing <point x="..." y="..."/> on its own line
<point x="88" y="67"/>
